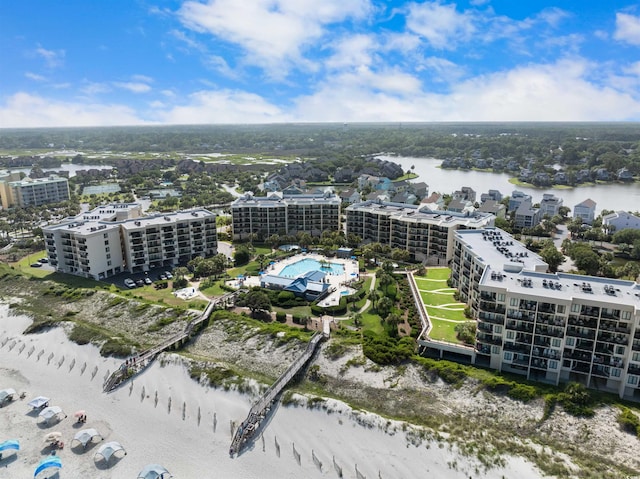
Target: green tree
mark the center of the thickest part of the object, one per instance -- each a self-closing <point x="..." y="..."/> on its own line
<point x="552" y="257"/>
<point x="257" y="300"/>
<point x="241" y="256"/>
<point x="385" y="305"/>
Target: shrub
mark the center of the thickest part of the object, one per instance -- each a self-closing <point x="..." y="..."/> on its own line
<point x="629" y="421"/>
<point x="281" y="317"/>
<point x="522" y="392"/>
<point x="577" y="401"/>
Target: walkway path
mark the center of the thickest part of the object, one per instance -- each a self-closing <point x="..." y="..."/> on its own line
<point x="366" y="304"/>
<point x="133" y="366"/>
<point x="262" y="406"/>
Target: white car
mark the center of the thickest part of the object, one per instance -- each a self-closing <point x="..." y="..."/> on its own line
<point x="168" y="275"/>
<point x="129" y="283"/>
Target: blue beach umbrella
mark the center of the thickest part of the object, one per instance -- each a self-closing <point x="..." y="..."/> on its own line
<point x="11" y="444"/>
<point x="46" y="463"/>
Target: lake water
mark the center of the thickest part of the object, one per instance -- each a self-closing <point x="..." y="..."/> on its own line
<point x="615" y="196"/>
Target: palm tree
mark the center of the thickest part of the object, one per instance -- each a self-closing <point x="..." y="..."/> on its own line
<point x="373" y="296"/>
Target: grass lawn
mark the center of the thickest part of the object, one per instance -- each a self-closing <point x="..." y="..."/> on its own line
<point x="372" y="322"/>
<point x="215" y="290"/>
<point x="296" y="310"/>
<point x="441" y="330"/>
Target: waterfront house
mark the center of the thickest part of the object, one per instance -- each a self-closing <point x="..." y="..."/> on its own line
<point x="621" y="220"/>
<point x="586" y="211"/>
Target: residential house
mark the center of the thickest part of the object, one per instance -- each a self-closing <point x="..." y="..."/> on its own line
<point x="465" y="193"/>
<point x="493" y="207"/>
<point x="624" y="174"/>
<point x="494" y="195"/>
<point x="621" y="220"/>
<point x="586" y="211"/>
<point x="350" y="196"/>
<point x="550" y="205"/>
<point x="516" y="199"/>
<point x="526" y="216"/>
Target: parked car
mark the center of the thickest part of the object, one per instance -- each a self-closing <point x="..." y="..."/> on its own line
<point x="43" y="260"/>
<point x="147" y="280"/>
<point x="129" y="283"/>
<point x="139" y="282"/>
<point x="36" y="265"/>
<point x="168" y="275"/>
<point x="162" y="277"/>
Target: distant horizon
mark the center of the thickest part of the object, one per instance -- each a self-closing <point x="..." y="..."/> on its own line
<point x="336" y="123"/>
<point x="205" y="62"/>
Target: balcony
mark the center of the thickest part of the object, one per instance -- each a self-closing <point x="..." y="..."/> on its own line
<point x="491" y="318"/>
<point x="581" y="332"/>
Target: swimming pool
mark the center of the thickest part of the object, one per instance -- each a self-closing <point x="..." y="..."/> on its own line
<point x="305" y="265"/>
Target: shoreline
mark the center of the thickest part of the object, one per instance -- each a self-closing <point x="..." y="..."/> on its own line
<point x="165" y="417"/>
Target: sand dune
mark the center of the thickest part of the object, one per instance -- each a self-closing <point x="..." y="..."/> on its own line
<point x="165" y="417"/>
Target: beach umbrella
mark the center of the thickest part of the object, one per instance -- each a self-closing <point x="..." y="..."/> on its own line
<point x="6" y="394"/>
<point x="10" y="445"/>
<point x="53" y="436"/>
<point x="38" y="402"/>
<point x="109" y="449"/>
<point x="49" y="413"/>
<point x="154" y="471"/>
<point x="86" y="435"/>
<point x="46" y="463"/>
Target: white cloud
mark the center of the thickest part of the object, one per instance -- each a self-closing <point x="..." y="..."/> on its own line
<point x="550" y="92"/>
<point x="35" y="77"/>
<point x="142" y="78"/>
<point x="442" y="70"/>
<point x="25" y="110"/>
<point x="273" y="33"/>
<point x="94" y="88"/>
<point x="627" y="28"/>
<point x="133" y="87"/>
<point x="351" y="52"/>
<point x="219" y="64"/>
<point x="223" y="106"/>
<point x="441" y="25"/>
<point x="53" y="58"/>
<point x="633" y="69"/>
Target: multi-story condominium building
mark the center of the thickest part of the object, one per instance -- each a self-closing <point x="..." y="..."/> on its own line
<point x="548" y="327"/>
<point x="550" y="205"/>
<point x="285" y="214"/>
<point x="35" y="192"/>
<point x="7" y="177"/>
<point x="116" y="238"/>
<point x="586" y="211"/>
<point x="427" y="235"/>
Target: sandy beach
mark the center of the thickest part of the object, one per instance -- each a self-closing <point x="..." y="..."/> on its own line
<point x="165" y="417"/>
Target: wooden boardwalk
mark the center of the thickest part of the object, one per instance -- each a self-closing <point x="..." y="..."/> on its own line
<point x="133" y="366"/>
<point x="258" y="412"/>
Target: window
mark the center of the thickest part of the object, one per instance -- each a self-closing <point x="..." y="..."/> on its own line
<point x="615" y="372"/>
<point x="106" y="242"/>
<point x="561" y="308"/>
<point x="632" y="379"/>
<point x="511" y="334"/>
<point x="620" y="350"/>
<point x="553" y="364"/>
<point x="106" y="235"/>
<point x="635" y="357"/>
<point x="514" y="302"/>
<point x="555" y="342"/>
<point x="497" y="329"/>
<point x="575" y="308"/>
<point x="108" y="263"/>
<point x="108" y="255"/>
<point x="500" y="298"/>
<point x="626" y="315"/>
<point x="495" y="349"/>
<point x="508" y="355"/>
<point x="570" y="341"/>
<point x="107" y="249"/>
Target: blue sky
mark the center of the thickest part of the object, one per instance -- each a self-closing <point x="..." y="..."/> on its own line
<point x="130" y="62"/>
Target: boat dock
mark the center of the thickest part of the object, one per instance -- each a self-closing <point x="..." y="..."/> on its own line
<point x="133" y="366"/>
<point x="258" y="412"/>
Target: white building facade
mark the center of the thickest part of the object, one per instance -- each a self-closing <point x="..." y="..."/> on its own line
<point x="116" y="238"/>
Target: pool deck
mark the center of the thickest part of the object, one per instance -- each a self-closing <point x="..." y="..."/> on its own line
<point x="337" y="282"/>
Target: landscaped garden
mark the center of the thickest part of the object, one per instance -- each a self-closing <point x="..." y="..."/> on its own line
<point x="444" y="311"/>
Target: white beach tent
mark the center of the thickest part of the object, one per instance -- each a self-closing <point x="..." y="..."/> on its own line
<point x="85" y="436"/>
<point x="110" y="449"/>
<point x="154" y="471"/>
<point x="40" y="401"/>
<point x="7" y="395"/>
<point x="51" y="412"/>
